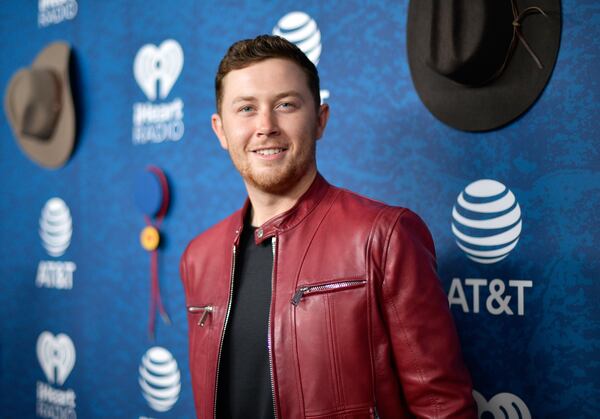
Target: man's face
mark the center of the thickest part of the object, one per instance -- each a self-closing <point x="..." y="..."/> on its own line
<point x="269" y="125"/>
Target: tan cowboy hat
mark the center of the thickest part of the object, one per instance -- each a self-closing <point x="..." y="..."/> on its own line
<point x="39" y="107"/>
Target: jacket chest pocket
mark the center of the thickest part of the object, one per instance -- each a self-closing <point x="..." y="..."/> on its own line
<point x="201" y="324"/>
<point x="332" y="337"/>
<point x="202" y="312"/>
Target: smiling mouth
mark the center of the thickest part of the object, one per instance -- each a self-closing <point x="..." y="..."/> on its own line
<point x="269" y="151"/>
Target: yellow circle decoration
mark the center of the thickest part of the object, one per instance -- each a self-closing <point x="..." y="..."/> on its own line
<point x="149" y="238"/>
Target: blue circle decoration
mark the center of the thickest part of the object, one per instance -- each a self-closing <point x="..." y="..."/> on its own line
<point x="148" y="193"/>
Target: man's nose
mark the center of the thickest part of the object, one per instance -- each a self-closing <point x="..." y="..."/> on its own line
<point x="267" y="123"/>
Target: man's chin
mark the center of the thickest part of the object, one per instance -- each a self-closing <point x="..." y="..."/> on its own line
<point x="273" y="183"/>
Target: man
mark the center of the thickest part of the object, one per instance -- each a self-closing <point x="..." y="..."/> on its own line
<point x="310" y="301"/>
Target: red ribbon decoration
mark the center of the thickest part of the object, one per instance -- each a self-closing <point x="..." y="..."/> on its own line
<point x="155" y="298"/>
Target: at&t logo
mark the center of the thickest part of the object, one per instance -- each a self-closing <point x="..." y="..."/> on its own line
<point x="55" y="11"/>
<point x="56" y="355"/>
<point x="159" y="379"/>
<point x="156" y="69"/>
<point x="56" y="230"/>
<point x="302" y="30"/>
<point x="487" y="223"/>
<point x="56" y="227"/>
<point x="501" y="406"/>
<point x="495" y="293"/>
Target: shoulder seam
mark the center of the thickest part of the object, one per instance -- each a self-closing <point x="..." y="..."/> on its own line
<point x="388" y="238"/>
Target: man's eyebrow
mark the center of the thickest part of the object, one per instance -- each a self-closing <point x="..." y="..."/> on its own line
<point x="243" y="99"/>
<point x="293" y="93"/>
<point x="289" y="93"/>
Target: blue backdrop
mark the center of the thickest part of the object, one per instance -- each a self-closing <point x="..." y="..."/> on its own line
<point x="74" y="337"/>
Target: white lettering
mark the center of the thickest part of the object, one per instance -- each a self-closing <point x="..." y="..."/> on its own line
<point x="47" y="393"/>
<point x="55" y="11"/>
<point x="475" y="283"/>
<point x="501" y="304"/>
<point x="519" y="285"/>
<point x="155" y="123"/>
<point x="456" y="288"/>
<point x="52" y="411"/>
<point x="46" y="4"/>
<point x="157" y="133"/>
<point x="55" y="274"/>
<point x="498" y="298"/>
<point x="154" y="113"/>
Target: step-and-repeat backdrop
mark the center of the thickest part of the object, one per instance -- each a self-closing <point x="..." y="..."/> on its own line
<point x="76" y="283"/>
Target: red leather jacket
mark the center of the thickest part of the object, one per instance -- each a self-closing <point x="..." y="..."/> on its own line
<point x="359" y="325"/>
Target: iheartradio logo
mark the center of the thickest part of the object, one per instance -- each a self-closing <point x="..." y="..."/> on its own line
<point x="502" y="406"/>
<point x="156" y="69"/>
<point x="56" y="355"/>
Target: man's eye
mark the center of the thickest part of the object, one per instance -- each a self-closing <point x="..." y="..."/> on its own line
<point x="286" y="105"/>
<point x="246" y="108"/>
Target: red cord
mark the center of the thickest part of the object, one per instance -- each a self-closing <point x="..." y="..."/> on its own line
<point x="155" y="297"/>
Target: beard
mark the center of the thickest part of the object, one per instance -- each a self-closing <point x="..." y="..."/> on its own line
<point x="280" y="179"/>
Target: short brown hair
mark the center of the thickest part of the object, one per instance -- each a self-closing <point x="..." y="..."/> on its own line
<point x="250" y="51"/>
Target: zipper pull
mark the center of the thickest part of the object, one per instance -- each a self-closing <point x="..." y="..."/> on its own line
<point x="206" y="311"/>
<point x="298" y="295"/>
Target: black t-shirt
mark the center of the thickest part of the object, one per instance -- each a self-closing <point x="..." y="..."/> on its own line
<point x="244" y="384"/>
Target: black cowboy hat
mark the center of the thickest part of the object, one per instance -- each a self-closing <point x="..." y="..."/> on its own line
<point x="479" y="64"/>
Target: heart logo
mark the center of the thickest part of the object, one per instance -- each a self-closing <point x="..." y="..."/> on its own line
<point x="514" y="407"/>
<point x="56" y="355"/>
<point x="156" y="69"/>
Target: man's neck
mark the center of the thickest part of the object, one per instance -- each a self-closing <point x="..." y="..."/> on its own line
<point x="267" y="205"/>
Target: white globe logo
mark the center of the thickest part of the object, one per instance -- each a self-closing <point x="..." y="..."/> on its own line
<point x="56" y="227"/>
<point x="486" y="221"/>
<point x="300" y="29"/>
<point x="160" y="379"/>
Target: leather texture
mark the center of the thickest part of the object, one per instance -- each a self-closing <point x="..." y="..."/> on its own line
<point x="359" y="323"/>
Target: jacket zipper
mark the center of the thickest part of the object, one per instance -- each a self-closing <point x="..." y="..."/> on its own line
<point x="224" y="328"/>
<point x="302" y="291"/>
<point x="375" y="413"/>
<point x="274" y="245"/>
<point x="206" y="310"/>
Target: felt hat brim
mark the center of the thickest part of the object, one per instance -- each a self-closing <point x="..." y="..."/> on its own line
<point x="52" y="152"/>
<point x="504" y="99"/>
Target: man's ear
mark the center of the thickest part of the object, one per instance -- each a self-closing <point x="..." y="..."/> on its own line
<point x="322" y="118"/>
<point x="217" y="126"/>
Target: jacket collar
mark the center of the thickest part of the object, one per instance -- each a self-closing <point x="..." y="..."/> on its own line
<point x="288" y="219"/>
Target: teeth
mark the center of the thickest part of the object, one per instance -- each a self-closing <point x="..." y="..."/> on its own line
<point x="269" y="151"/>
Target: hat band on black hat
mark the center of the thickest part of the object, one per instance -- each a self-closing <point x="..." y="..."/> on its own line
<point x="467" y="63"/>
<point x="518" y="35"/>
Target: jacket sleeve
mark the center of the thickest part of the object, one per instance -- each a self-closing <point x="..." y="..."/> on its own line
<point x="425" y="344"/>
<point x="183" y="273"/>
